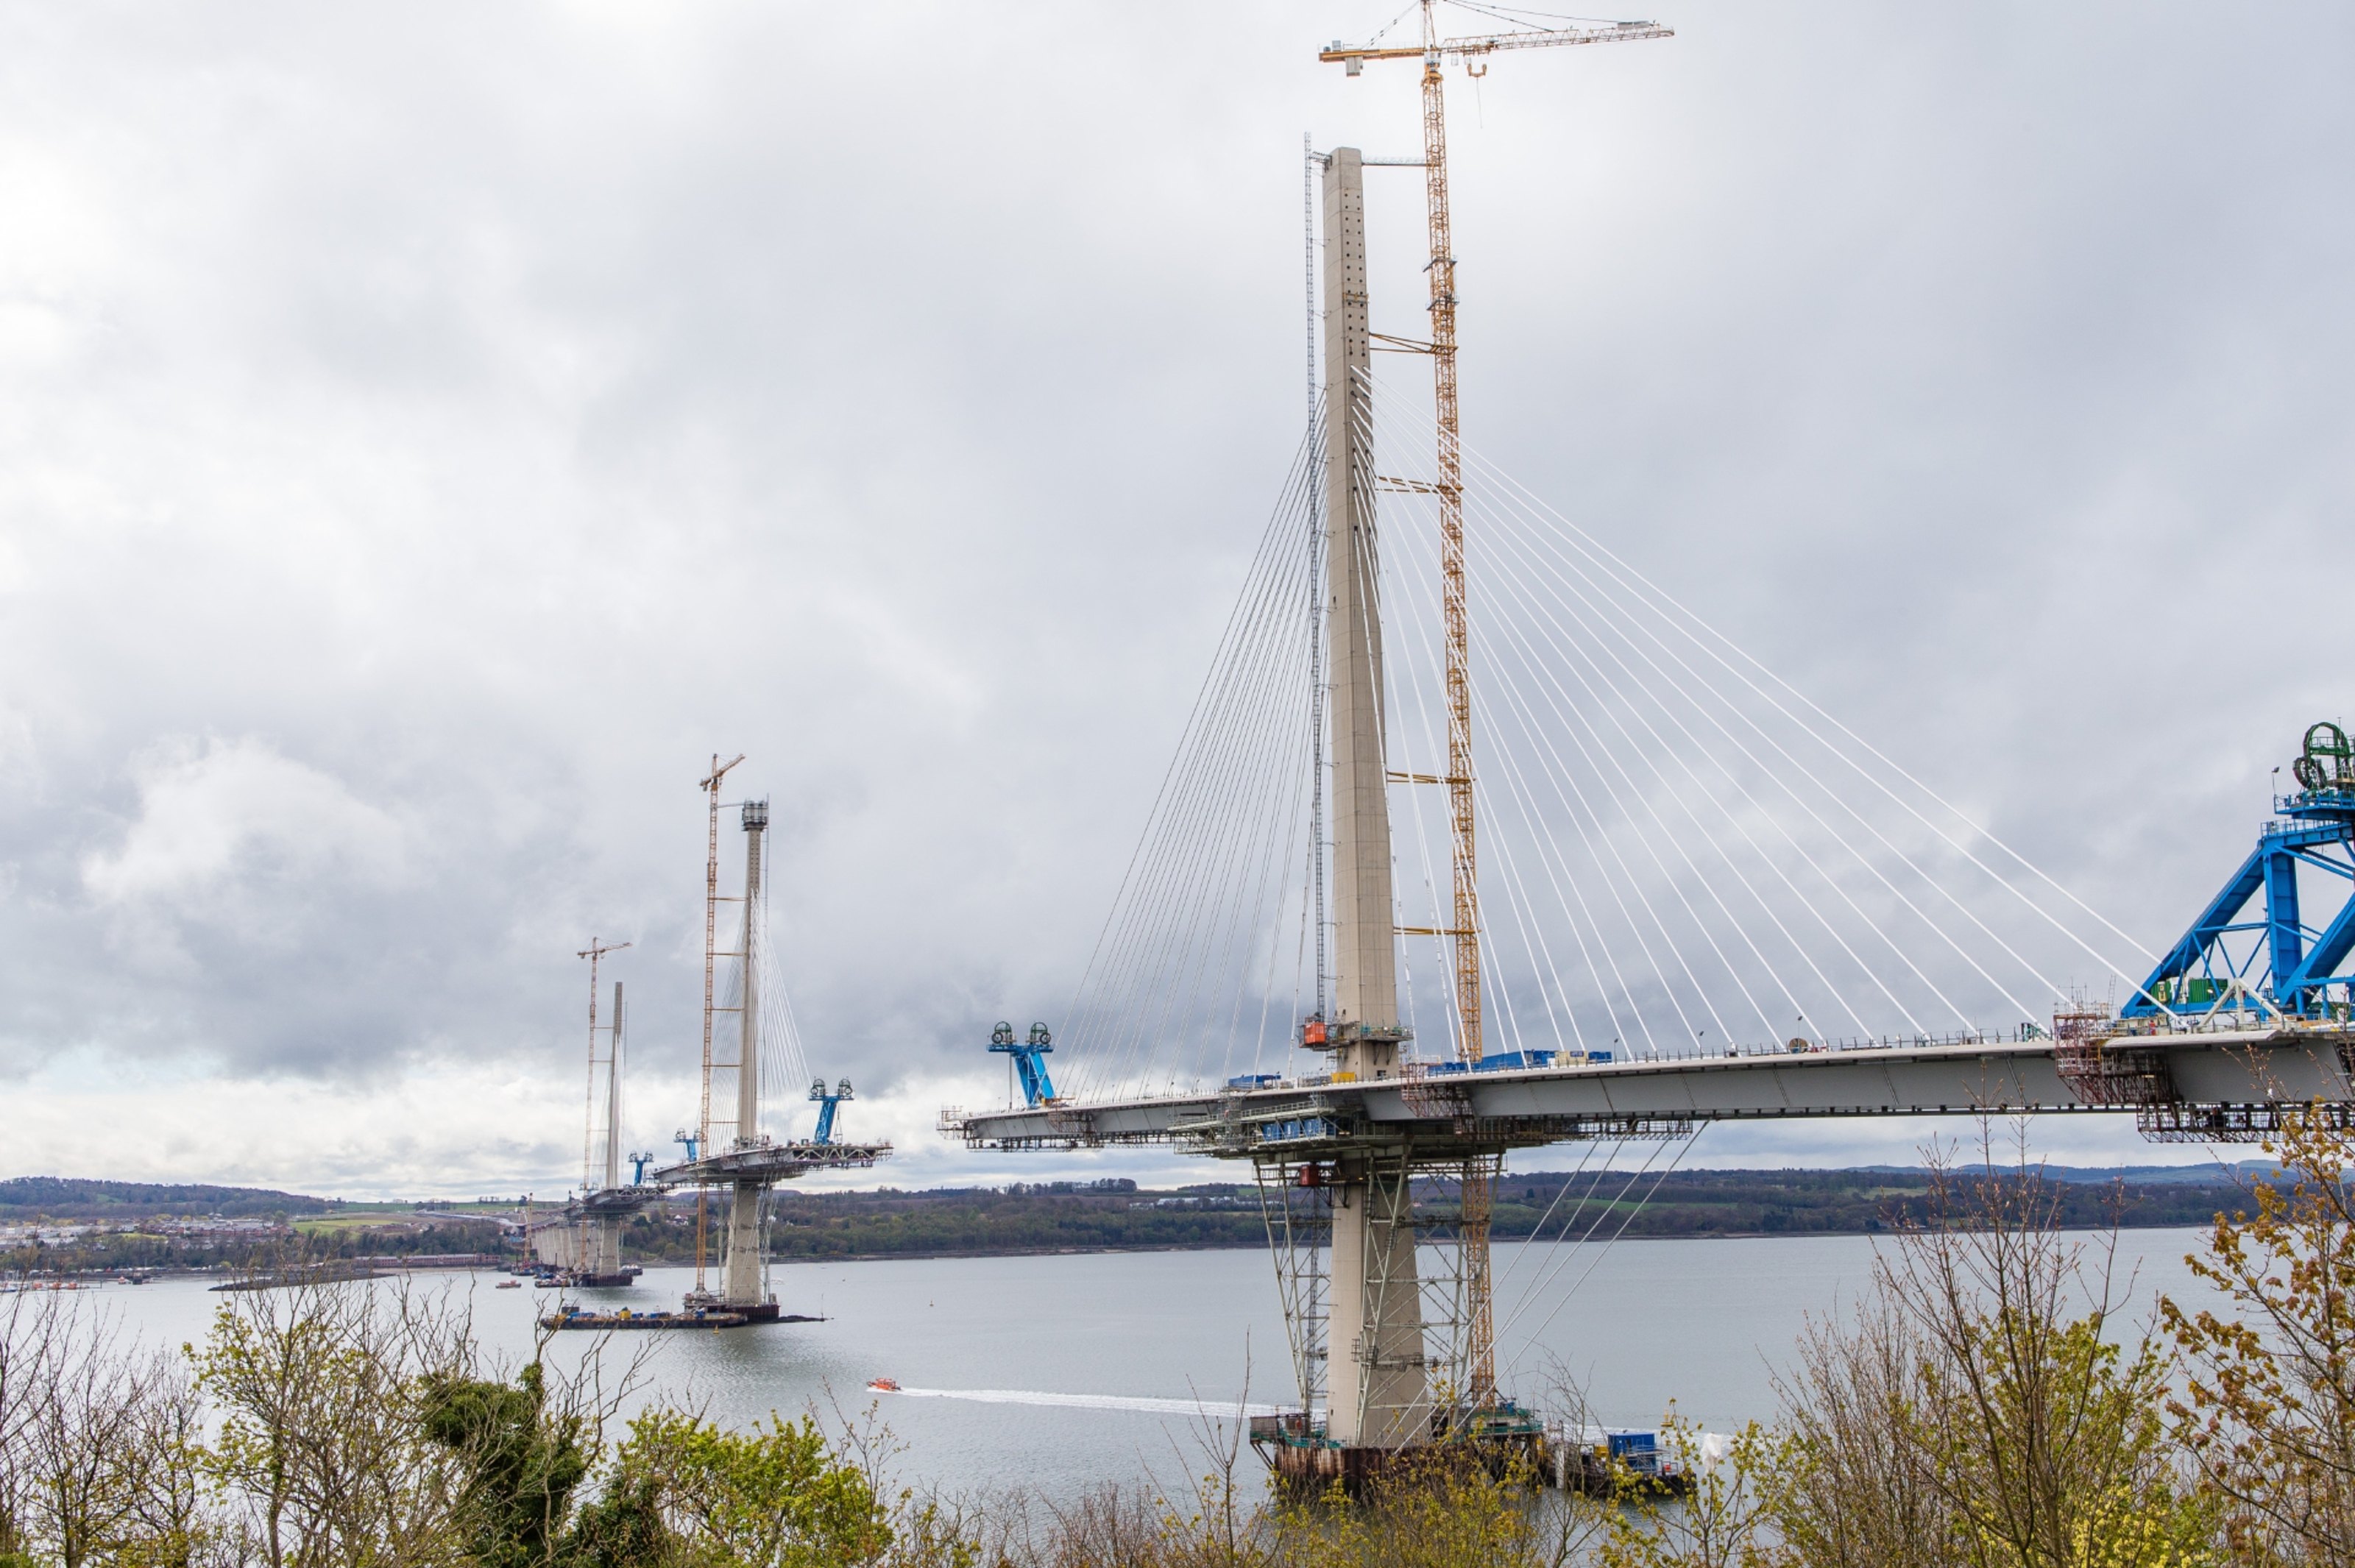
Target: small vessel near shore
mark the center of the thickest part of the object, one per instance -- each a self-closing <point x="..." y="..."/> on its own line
<point x="1605" y="1461"/>
<point x="883" y="1385"/>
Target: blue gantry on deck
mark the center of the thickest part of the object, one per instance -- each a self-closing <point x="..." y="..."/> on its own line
<point x="2289" y="961"/>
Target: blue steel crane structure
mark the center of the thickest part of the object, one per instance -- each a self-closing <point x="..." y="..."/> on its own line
<point x="1029" y="1063"/>
<point x="825" y="1107"/>
<point x="2290" y="967"/>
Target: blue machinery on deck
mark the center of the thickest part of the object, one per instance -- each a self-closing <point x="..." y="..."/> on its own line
<point x="826" y="1104"/>
<point x="1029" y="1059"/>
<point x="2279" y="970"/>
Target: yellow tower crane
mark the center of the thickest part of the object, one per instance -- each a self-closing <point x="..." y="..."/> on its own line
<point x="1479" y="1177"/>
<point x="594" y="952"/>
<point x="711" y="902"/>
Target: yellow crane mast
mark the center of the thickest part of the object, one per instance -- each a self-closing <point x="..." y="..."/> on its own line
<point x="594" y="952"/>
<point x="710" y="787"/>
<point x="1480" y="1176"/>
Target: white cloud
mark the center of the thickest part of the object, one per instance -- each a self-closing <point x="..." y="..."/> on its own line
<point x="218" y="817"/>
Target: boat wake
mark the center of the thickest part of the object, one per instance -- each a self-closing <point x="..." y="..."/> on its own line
<point x="1210" y="1409"/>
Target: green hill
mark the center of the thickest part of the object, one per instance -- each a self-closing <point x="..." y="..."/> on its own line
<point x="24" y="1198"/>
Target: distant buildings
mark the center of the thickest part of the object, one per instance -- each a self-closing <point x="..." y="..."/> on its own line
<point x="208" y="1229"/>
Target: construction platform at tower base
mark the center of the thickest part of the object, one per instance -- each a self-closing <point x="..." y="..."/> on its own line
<point x="1506" y="1440"/>
<point x="1502" y="1438"/>
<point x="751" y="1312"/>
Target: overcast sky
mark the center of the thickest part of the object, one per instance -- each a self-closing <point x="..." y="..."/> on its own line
<point x="429" y="433"/>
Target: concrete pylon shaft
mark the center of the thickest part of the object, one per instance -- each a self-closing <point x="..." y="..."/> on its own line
<point x="1365" y="979"/>
<point x="605" y="1256"/>
<point x="747" y="1048"/>
<point x="605" y="1247"/>
<point x="614" y="1097"/>
<point x="1376" y="1392"/>
<point x="740" y="1272"/>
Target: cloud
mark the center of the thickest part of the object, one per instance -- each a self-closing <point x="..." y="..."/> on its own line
<point x="229" y="830"/>
<point x="426" y="439"/>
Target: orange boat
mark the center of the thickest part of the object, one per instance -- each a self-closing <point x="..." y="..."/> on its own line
<point x="883" y="1385"/>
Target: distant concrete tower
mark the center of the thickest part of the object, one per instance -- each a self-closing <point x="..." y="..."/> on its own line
<point x="1375" y="1386"/>
<point x="606" y="1252"/>
<point x="743" y="1270"/>
<point x="614" y="1097"/>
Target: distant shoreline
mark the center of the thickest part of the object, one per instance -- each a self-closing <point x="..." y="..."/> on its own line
<point x="103" y="1275"/>
<point x="1629" y="1238"/>
<point x="93" y="1230"/>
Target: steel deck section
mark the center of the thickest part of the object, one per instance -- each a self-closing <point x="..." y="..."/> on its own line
<point x="2234" y="1067"/>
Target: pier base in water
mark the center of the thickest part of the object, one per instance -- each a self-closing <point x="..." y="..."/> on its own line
<point x="1508" y="1443"/>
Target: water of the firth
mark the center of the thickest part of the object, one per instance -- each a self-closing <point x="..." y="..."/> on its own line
<point x="1085" y="1364"/>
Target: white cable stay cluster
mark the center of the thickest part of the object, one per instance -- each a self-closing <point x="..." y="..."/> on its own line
<point x="1192" y="971"/>
<point x="783" y="1063"/>
<point x="1679" y="852"/>
<point x="785" y="1072"/>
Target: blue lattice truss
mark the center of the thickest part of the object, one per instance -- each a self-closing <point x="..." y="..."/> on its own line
<point x="2278" y="955"/>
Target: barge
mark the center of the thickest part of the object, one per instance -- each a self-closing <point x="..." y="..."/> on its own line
<point x="572" y="1316"/>
<point x="578" y="1318"/>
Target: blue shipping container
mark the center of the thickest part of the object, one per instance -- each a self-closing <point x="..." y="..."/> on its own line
<point x="1307" y="1128"/>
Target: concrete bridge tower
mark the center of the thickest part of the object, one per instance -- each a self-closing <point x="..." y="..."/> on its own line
<point x="1375" y="1384"/>
<point x="743" y="1271"/>
<point x="740" y="1167"/>
<point x="605" y="1257"/>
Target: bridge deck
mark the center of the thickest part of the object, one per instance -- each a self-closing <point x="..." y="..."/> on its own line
<point x="769" y="1162"/>
<point x="2172" y="1080"/>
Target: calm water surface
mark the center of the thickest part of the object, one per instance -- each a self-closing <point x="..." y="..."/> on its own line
<point x="1079" y="1358"/>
